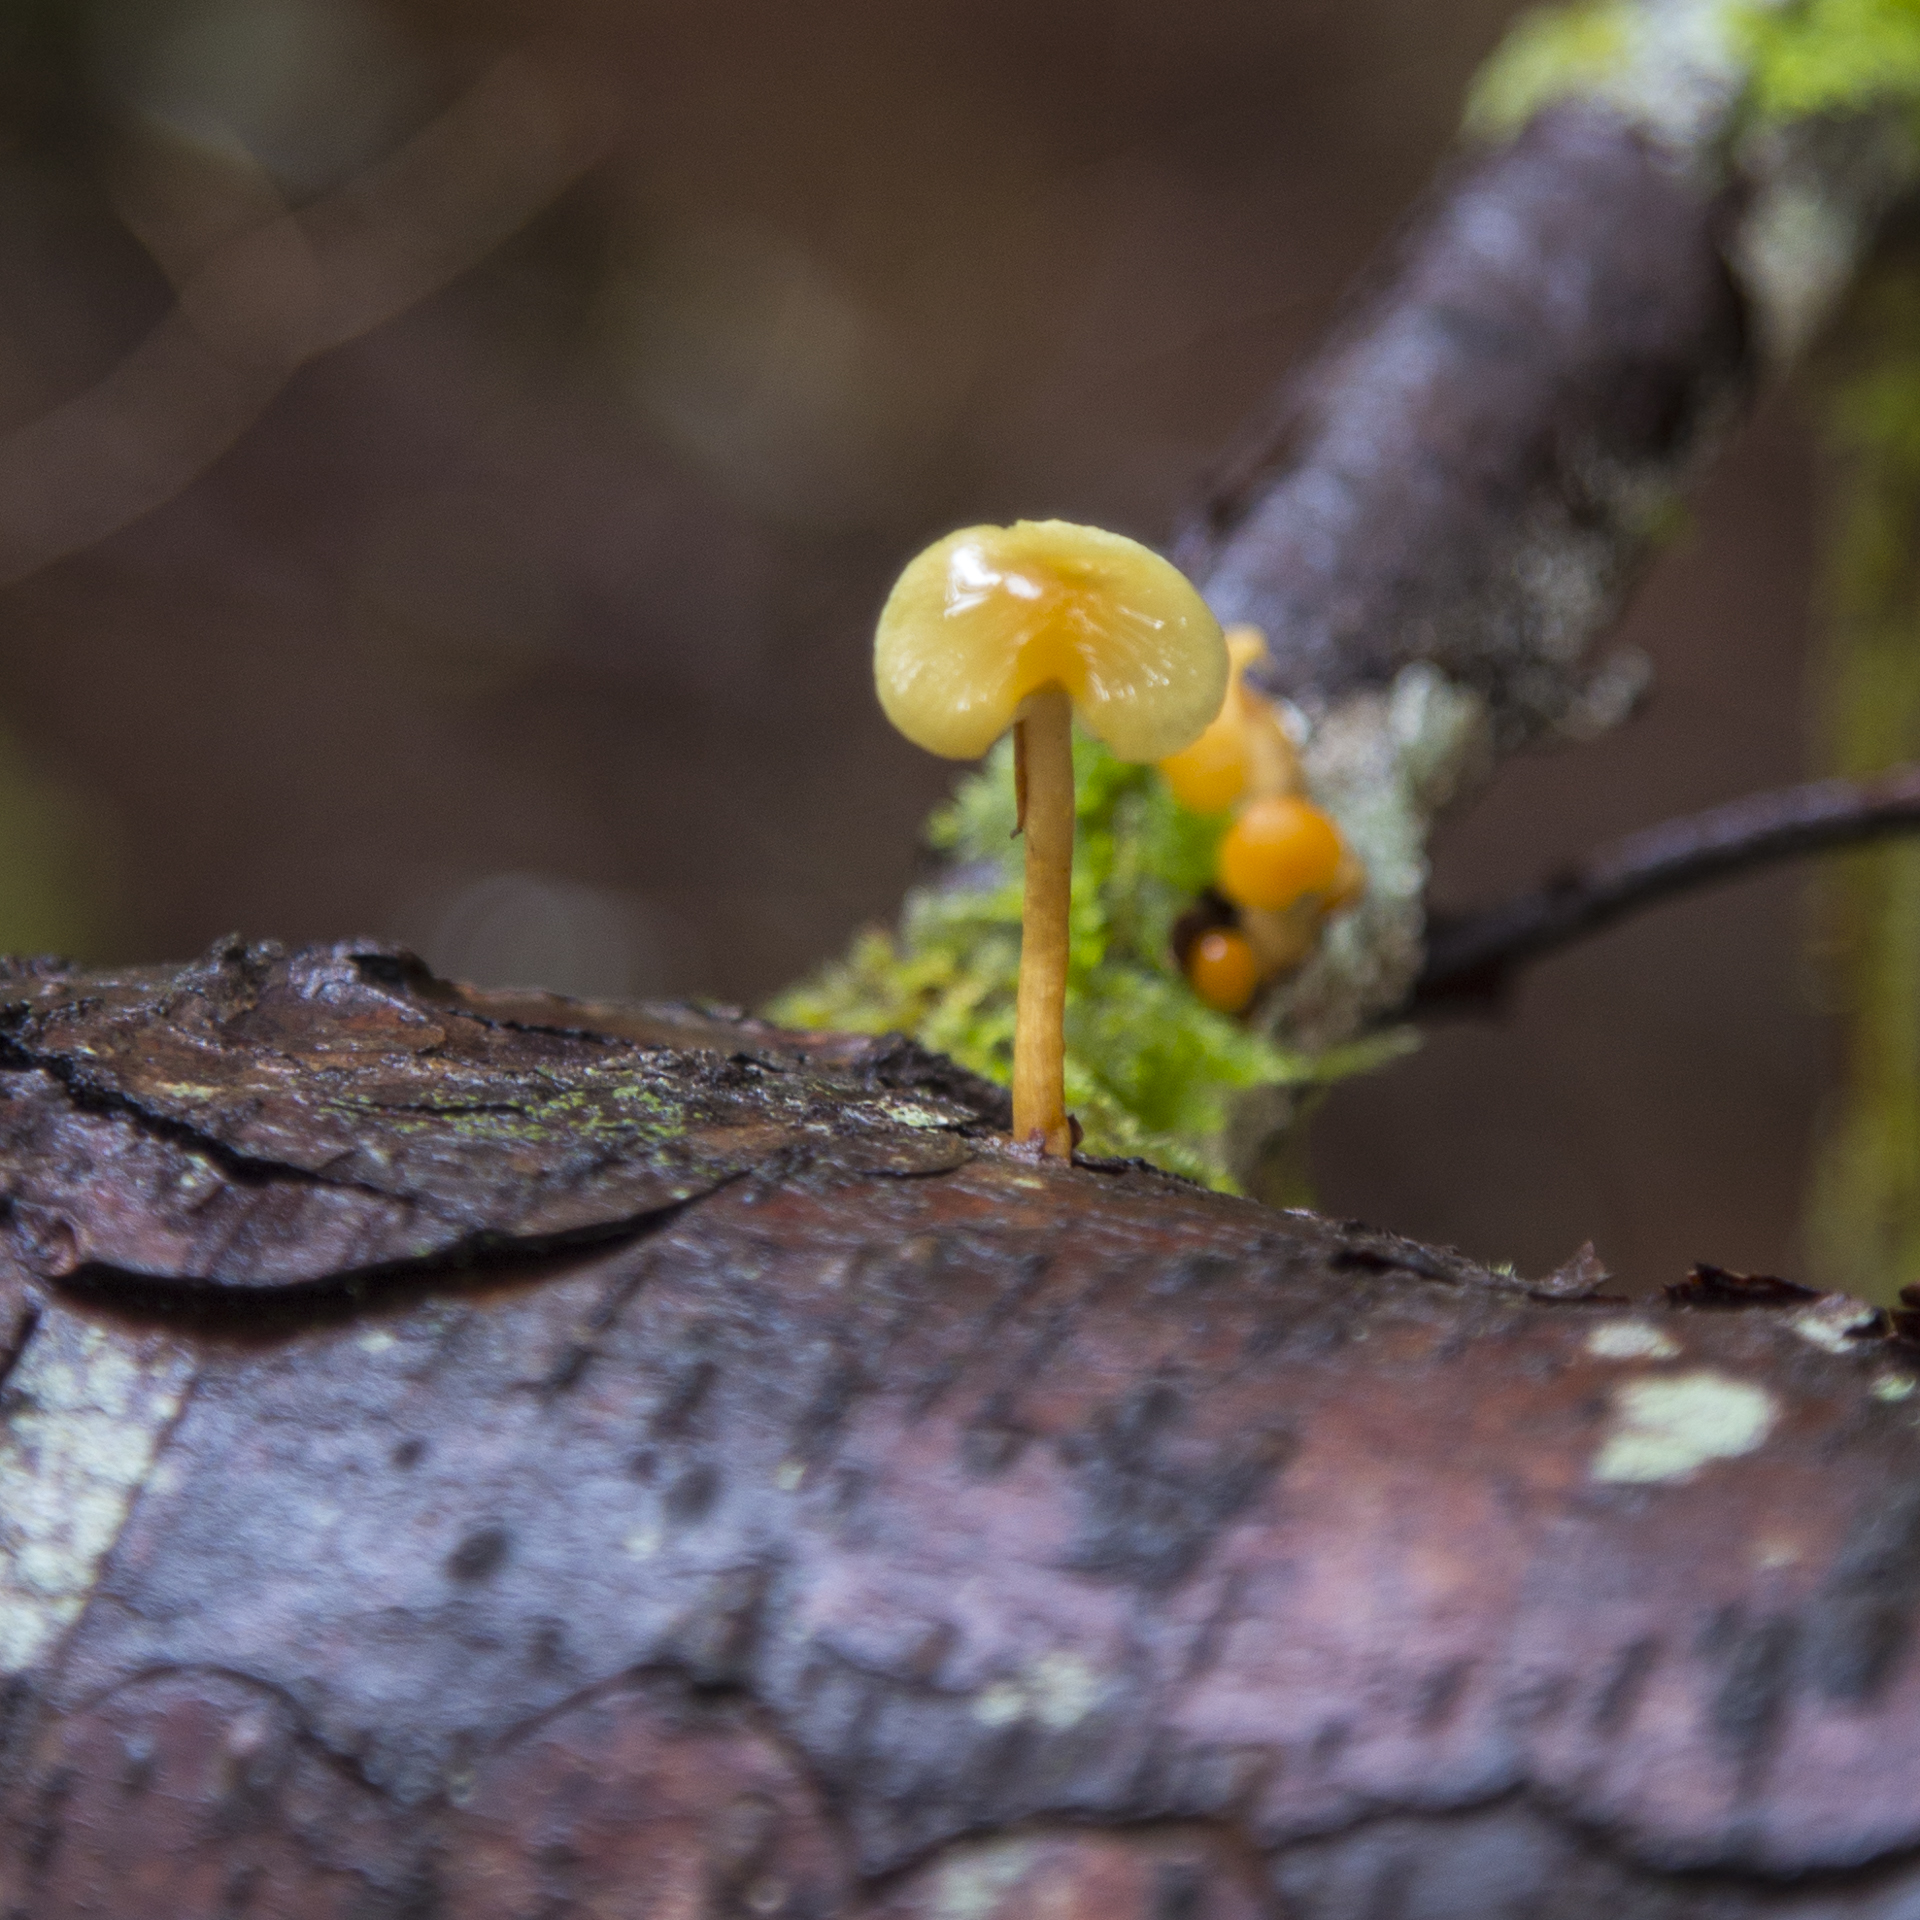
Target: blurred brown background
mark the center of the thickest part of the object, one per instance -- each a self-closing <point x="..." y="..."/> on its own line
<point x="531" y="626"/>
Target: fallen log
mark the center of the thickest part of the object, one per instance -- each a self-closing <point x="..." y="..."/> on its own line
<point x="487" y="1455"/>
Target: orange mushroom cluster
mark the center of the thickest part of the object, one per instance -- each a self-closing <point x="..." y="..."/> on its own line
<point x="1282" y="866"/>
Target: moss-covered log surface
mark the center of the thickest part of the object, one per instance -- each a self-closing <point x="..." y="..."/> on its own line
<point x="475" y="1455"/>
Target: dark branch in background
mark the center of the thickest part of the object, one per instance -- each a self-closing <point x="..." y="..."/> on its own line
<point x="1460" y="473"/>
<point x="1451" y="501"/>
<point x="1471" y="956"/>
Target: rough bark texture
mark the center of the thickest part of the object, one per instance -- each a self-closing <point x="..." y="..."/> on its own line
<point x="1474" y="469"/>
<point x="476" y="1455"/>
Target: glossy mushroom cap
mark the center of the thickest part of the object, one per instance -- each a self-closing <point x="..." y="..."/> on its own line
<point x="989" y="615"/>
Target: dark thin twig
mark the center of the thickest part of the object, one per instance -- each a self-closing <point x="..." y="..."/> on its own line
<point x="1470" y="956"/>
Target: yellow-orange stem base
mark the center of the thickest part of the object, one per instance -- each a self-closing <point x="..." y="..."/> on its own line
<point x="1039" y="1032"/>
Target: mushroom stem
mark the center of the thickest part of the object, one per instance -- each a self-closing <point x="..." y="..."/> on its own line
<point x="1039" y="1029"/>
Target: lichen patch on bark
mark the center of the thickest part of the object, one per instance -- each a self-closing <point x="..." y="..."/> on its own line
<point x="88" y="1407"/>
<point x="1666" y="1427"/>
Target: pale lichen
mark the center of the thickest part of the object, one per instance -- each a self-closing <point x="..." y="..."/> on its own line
<point x="1836" y="1322"/>
<point x="1631" y="1340"/>
<point x="972" y="1882"/>
<point x="1382" y="764"/>
<point x="1667" y="1427"/>
<point x="87" y="1410"/>
<point x="1057" y="1690"/>
<point x="1671" y="66"/>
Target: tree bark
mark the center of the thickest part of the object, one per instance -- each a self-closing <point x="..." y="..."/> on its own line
<point x="1474" y="469"/>
<point x="485" y="1455"/>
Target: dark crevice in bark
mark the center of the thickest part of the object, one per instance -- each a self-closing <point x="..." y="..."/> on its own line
<point x="208" y="1308"/>
<point x="21" y="1334"/>
<point x="1645" y="1871"/>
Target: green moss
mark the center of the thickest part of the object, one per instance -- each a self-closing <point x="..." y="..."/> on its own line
<point x="1833" y="57"/>
<point x="609" y="1105"/>
<point x="1548" y="54"/>
<point x="57" y="877"/>
<point x="1805" y="59"/>
<point x="1151" y="1070"/>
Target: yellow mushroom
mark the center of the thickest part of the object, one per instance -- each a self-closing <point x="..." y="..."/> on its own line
<point x="1025" y="626"/>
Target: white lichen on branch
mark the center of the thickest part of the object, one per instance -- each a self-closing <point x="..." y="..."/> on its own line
<point x="1383" y="764"/>
<point x="90" y="1406"/>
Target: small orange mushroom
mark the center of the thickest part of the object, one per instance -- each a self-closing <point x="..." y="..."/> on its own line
<point x="1223" y="970"/>
<point x="1245" y="746"/>
<point x="1279" y="848"/>
<point x="1282" y="865"/>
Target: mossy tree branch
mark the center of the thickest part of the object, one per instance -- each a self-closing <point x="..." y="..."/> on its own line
<point x="1450" y="502"/>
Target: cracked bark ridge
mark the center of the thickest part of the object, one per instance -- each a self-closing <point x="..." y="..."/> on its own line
<point x="1476" y="466"/>
<point x="257" y="1120"/>
<point x="878" y="1530"/>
